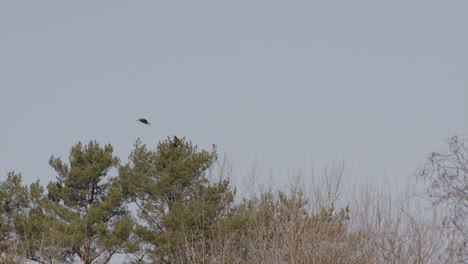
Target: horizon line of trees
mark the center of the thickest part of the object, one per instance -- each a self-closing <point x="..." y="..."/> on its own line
<point x="176" y="204"/>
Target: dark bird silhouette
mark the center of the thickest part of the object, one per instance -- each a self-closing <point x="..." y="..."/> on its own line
<point x="176" y="142"/>
<point x="144" y="121"/>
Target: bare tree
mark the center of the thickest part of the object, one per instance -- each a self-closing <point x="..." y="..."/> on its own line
<point x="446" y="172"/>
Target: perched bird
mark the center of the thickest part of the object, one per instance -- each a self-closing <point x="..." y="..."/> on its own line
<point x="176" y="142"/>
<point x="144" y="121"/>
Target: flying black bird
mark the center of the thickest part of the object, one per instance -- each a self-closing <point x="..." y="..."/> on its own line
<point x="144" y="121"/>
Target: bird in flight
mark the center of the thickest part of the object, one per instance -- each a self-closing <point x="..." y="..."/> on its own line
<point x="144" y="121"/>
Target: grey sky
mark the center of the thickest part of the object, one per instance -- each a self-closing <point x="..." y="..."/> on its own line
<point x="379" y="84"/>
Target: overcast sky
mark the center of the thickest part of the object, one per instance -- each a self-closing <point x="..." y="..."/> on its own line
<point x="379" y="84"/>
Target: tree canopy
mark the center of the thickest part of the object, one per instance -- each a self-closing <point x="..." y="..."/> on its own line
<point x="174" y="204"/>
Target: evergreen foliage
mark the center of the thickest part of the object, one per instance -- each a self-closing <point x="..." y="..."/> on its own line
<point x="175" y="200"/>
<point x="32" y="231"/>
<point x="96" y="224"/>
<point x="13" y="201"/>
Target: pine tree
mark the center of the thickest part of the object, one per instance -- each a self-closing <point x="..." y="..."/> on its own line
<point x="27" y="230"/>
<point x="96" y="225"/>
<point x="13" y="201"/>
<point x="176" y="202"/>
